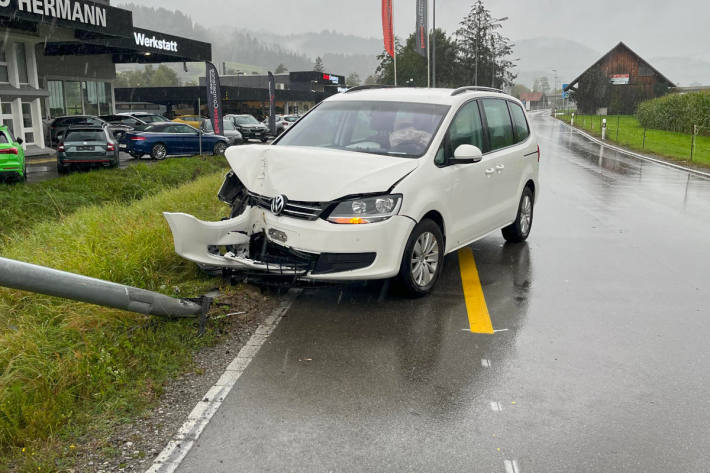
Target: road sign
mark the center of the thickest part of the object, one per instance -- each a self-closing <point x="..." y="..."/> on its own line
<point x="565" y="94"/>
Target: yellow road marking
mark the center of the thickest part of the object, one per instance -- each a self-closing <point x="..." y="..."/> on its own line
<point x="30" y="162"/>
<point x="478" y="317"/>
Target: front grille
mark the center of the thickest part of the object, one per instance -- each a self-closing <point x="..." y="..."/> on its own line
<point x="294" y="209"/>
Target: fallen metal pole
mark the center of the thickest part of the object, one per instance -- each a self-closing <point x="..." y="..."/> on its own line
<point x="52" y="282"/>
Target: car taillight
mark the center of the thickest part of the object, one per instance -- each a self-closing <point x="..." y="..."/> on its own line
<point x="60" y="147"/>
<point x="137" y="138"/>
<point x="538" y="153"/>
<point x="9" y="151"/>
<point x="110" y="147"/>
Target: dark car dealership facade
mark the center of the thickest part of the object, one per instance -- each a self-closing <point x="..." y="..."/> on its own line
<point x="58" y="58"/>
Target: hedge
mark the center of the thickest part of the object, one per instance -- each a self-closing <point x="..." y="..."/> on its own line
<point x="677" y="112"/>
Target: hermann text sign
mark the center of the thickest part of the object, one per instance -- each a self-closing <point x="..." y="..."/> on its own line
<point x="78" y="14"/>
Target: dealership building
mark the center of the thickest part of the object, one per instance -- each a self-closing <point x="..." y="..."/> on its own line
<point x="58" y="57"/>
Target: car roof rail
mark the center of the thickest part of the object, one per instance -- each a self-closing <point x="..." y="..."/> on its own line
<point x="358" y="88"/>
<point x="475" y="88"/>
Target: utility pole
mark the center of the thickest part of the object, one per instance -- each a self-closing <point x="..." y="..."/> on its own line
<point x="433" y="47"/>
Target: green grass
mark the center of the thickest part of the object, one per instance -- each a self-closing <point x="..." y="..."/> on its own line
<point x="68" y="368"/>
<point x="668" y="144"/>
<point x="24" y="205"/>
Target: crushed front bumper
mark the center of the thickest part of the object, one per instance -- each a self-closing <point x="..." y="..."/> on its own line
<point x="258" y="241"/>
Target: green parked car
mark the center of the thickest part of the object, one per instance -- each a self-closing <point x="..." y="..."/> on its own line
<point x="12" y="156"/>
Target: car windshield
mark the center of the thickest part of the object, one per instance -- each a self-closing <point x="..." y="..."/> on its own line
<point x="85" y="135"/>
<point x="291" y="119"/>
<point x="246" y="120"/>
<point x="385" y="128"/>
<point x="154" y="128"/>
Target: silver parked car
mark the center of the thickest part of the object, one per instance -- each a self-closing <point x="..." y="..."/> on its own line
<point x="230" y="131"/>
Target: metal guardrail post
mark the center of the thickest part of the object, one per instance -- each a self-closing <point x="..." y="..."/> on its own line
<point x="52" y="282"/>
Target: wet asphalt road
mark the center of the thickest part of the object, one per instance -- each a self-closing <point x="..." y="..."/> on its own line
<point x="601" y="362"/>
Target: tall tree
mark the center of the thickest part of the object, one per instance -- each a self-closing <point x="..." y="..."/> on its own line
<point x="483" y="51"/>
<point x="353" y="80"/>
<point x="412" y="66"/>
<point x="318" y="66"/>
<point x="281" y="69"/>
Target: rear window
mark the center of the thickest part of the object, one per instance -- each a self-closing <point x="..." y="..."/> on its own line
<point x="520" y="124"/>
<point x="500" y="129"/>
<point x="85" y="135"/>
<point x="3" y="139"/>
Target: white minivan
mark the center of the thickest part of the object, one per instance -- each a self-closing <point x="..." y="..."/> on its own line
<point x="374" y="183"/>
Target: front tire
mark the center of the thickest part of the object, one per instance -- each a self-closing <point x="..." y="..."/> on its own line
<point x="159" y="152"/>
<point x="519" y="230"/>
<point x="423" y="259"/>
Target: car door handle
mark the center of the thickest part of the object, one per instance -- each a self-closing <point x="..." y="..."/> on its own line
<point x="490" y="171"/>
<point x="500" y="167"/>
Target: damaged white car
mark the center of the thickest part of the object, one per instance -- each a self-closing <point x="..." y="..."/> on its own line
<point x="373" y="184"/>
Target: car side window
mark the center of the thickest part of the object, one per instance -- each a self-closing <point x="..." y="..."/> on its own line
<point x="465" y="129"/>
<point x="500" y="128"/>
<point x="520" y="124"/>
<point x="184" y="129"/>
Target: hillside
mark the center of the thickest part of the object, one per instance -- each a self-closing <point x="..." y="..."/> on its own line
<point x="540" y="56"/>
<point x="341" y="54"/>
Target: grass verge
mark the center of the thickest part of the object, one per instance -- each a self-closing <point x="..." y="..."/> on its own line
<point x="24" y="205"/>
<point x="67" y="367"/>
<point x="666" y="144"/>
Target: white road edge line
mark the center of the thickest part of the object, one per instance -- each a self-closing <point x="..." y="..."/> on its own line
<point x="179" y="446"/>
<point x="635" y="155"/>
<point x="511" y="466"/>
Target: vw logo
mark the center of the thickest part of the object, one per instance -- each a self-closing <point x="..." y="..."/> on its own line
<point x="277" y="204"/>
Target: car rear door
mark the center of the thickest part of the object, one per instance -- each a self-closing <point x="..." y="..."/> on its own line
<point x="189" y="138"/>
<point x="499" y="160"/>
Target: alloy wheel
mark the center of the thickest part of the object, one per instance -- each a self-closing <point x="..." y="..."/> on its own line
<point x="425" y="259"/>
<point x="525" y="215"/>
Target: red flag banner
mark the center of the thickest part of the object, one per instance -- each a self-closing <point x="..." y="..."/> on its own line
<point x="387" y="27"/>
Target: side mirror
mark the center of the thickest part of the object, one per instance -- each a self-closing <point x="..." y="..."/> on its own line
<point x="19" y="141"/>
<point x="466" y="154"/>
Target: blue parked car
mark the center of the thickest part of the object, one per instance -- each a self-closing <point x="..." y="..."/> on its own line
<point x="160" y="140"/>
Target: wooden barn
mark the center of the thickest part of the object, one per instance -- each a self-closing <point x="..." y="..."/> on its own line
<point x="617" y="83"/>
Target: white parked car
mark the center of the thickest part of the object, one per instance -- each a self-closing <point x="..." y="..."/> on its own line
<point x="373" y="184"/>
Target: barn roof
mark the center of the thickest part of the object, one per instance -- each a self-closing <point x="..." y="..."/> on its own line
<point x="531" y="96"/>
<point x="621" y="45"/>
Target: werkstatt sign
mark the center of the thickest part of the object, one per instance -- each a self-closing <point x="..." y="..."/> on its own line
<point x="78" y="14"/>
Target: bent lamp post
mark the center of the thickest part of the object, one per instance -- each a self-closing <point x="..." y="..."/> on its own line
<point x="52" y="282"/>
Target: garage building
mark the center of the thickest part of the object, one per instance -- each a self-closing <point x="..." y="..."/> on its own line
<point x="58" y="58"/>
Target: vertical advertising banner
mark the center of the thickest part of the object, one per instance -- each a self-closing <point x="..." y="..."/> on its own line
<point x="422" y="28"/>
<point x="272" y="104"/>
<point x="214" y="99"/>
<point x="388" y="27"/>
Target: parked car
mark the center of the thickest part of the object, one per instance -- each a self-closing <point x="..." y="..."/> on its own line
<point x="374" y="184"/>
<point x="60" y="124"/>
<point x="249" y="127"/>
<point x="146" y="116"/>
<point x="230" y="131"/>
<point x="160" y="140"/>
<point x="12" y="156"/>
<point x="192" y="120"/>
<point x="120" y="124"/>
<point x="87" y="145"/>
<point x="283" y="122"/>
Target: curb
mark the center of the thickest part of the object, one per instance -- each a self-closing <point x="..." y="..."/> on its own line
<point x="633" y="154"/>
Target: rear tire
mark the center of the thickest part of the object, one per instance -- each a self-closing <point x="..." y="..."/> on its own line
<point x="220" y="148"/>
<point x="159" y="152"/>
<point x="423" y="259"/>
<point x="61" y="169"/>
<point x="519" y="230"/>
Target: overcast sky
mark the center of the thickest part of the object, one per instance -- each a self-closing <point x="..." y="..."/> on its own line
<point x="652" y="27"/>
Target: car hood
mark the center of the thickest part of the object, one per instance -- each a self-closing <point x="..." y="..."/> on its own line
<point x="315" y="174"/>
